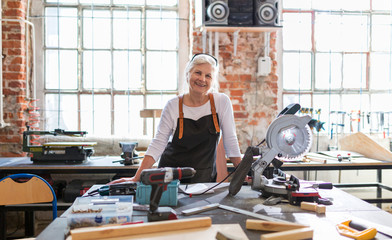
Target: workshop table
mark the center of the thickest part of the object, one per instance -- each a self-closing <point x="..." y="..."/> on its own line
<point x="92" y="165"/>
<point x="345" y="207"/>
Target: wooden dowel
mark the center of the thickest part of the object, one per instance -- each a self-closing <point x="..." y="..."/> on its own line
<point x="143" y="228"/>
<point x="271" y="226"/>
<point x="296" y="234"/>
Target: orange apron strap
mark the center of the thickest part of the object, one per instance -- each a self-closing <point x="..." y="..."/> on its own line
<point x="213" y="110"/>
<point x="181" y="112"/>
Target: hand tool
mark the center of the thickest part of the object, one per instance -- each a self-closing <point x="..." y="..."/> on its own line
<point x="197" y="210"/>
<point x="354" y="230"/>
<point x="251" y="214"/>
<point x="124" y="188"/>
<point x="159" y="179"/>
<point x="324" y="185"/>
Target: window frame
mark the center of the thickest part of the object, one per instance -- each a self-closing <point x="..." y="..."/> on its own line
<point x="183" y="52"/>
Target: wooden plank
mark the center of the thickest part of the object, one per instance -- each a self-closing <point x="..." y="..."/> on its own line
<point x="296" y="234"/>
<point x="311" y="206"/>
<point x="211" y="232"/>
<point x="144" y="228"/>
<point x="271" y="226"/>
<point x="361" y="143"/>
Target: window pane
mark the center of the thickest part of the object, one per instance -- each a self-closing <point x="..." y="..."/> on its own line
<point x="384" y="5"/>
<point x="350" y="32"/>
<point x="67" y="77"/>
<point x="352" y="5"/>
<point x="328" y="71"/>
<point x="303" y="99"/>
<point x="381" y="102"/>
<point x="161" y="71"/>
<point x="354" y="71"/>
<point x="297" y="31"/>
<point x="96" y="29"/>
<point x="162" y="2"/>
<point x="381" y="32"/>
<point x="95" y="114"/>
<point x="63" y="107"/>
<point x="127" y="2"/>
<point x="297" y="4"/>
<point x="96" y="69"/>
<point x="380" y="71"/>
<point x="326" y="103"/>
<point x="127" y="69"/>
<point x="297" y="71"/>
<point x="61" y="22"/>
<point x="61" y="1"/>
<point x="126" y="29"/>
<point x="355" y="33"/>
<point x="158" y="101"/>
<point x="94" y="2"/>
<point x="127" y="121"/>
<point x="161" y="30"/>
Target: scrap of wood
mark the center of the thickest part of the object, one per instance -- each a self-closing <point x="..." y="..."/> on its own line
<point x="361" y="143"/>
<point x="143" y="228"/>
<point x="318" y="208"/>
<point x="225" y="236"/>
<point x="296" y="234"/>
<point x="271" y="226"/>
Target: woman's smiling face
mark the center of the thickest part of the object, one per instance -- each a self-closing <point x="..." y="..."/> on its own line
<point x="200" y="78"/>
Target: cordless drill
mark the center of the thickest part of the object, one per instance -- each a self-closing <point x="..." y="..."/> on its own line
<point x="159" y="179"/>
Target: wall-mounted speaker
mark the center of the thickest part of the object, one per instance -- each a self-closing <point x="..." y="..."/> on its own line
<point x="211" y="12"/>
<point x="266" y="13"/>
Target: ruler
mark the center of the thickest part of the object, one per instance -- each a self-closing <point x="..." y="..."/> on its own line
<point x="251" y="214"/>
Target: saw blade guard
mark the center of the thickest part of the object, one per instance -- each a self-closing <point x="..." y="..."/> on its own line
<point x="290" y="136"/>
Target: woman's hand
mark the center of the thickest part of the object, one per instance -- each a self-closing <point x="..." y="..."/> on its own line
<point x="121" y="180"/>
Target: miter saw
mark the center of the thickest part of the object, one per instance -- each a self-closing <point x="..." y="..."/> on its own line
<point x="288" y="138"/>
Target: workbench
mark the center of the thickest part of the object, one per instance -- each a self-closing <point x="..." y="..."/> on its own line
<point x="345" y="206"/>
<point x="92" y="165"/>
<point x="104" y="164"/>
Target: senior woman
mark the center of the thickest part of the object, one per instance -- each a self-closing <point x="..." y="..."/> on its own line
<point x="192" y="124"/>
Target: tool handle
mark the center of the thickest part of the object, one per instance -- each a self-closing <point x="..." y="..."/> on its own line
<point x="327" y="185"/>
<point x="357" y="226"/>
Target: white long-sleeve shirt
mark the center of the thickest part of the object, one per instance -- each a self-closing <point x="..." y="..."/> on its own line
<point x="168" y="124"/>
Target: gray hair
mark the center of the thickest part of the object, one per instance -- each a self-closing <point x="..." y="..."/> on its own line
<point x="201" y="59"/>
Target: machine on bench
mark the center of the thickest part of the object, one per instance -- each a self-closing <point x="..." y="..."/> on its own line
<point x="288" y="138"/>
<point x="58" y="152"/>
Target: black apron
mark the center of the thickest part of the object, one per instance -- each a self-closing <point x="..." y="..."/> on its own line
<point x="194" y="145"/>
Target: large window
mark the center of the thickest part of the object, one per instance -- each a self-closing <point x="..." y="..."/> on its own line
<point x="337" y="58"/>
<point x="106" y="60"/>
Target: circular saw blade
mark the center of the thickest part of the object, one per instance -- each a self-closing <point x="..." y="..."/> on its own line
<point x="291" y="136"/>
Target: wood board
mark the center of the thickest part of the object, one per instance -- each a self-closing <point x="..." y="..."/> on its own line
<point x="234" y="230"/>
<point x="361" y="143"/>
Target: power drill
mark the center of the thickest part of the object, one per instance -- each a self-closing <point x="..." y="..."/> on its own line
<point x="159" y="179"/>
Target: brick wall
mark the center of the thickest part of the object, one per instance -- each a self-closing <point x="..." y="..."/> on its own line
<point x="14" y="78"/>
<point x="254" y="98"/>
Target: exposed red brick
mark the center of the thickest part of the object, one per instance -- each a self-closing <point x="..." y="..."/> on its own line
<point x="13" y="44"/>
<point x="14" y="76"/>
<point x="253" y="122"/>
<point x="17" y="84"/>
<point x="245" y="77"/>
<point x="16" y="68"/>
<point x="7" y="91"/>
<point x="240" y="115"/>
<point x="236" y="92"/>
<point x="16" y="4"/>
<point x="230" y="77"/>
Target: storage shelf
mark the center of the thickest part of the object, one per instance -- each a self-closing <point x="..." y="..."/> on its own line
<point x="241" y="29"/>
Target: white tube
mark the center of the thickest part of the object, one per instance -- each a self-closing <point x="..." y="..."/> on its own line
<point x="216" y="45"/>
